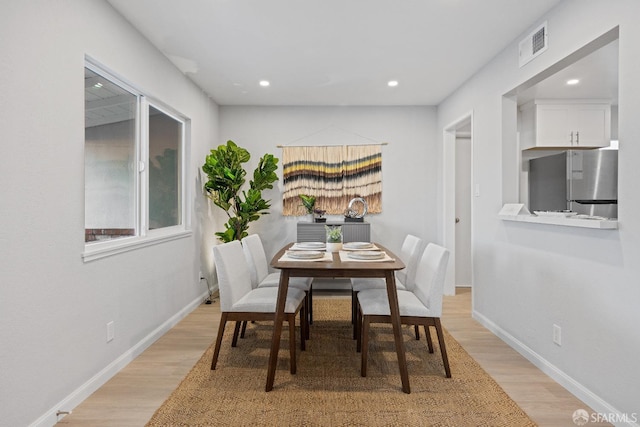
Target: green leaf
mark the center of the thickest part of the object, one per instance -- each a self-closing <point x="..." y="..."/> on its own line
<point x="308" y="202"/>
<point x="226" y="178"/>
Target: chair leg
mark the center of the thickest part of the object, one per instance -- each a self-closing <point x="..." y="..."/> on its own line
<point x="443" y="349"/>
<point x="428" y="335"/>
<point x="417" y="331"/>
<point x="304" y="326"/>
<point x="292" y="342"/>
<point x="358" y="328"/>
<point x="310" y="296"/>
<point x="354" y="313"/>
<point x="244" y="329"/>
<point x="353" y="306"/>
<point x="236" y="332"/>
<point x="307" y="312"/>
<point x="216" y="351"/>
<point x="364" y="337"/>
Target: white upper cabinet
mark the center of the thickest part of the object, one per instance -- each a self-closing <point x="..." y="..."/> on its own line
<point x="561" y="124"/>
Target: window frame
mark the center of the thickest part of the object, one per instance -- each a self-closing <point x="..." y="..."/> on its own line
<point x="145" y="237"/>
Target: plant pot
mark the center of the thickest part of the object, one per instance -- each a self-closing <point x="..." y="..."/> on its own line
<point x="334" y="237"/>
<point x="334" y="247"/>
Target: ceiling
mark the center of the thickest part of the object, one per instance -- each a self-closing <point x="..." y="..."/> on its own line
<point x="331" y="52"/>
<point x="597" y="74"/>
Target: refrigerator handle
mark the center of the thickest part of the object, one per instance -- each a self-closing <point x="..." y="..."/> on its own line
<point x="569" y="163"/>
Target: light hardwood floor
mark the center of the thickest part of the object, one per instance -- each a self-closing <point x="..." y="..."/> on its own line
<point x="132" y="396"/>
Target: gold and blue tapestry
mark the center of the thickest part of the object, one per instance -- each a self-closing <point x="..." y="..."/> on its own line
<point x="333" y="175"/>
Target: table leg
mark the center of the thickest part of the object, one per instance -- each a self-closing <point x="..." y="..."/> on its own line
<point x="277" y="328"/>
<point x="397" y="329"/>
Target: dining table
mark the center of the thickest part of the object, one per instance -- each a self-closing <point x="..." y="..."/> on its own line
<point x="337" y="265"/>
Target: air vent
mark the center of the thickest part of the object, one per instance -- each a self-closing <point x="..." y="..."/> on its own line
<point x="534" y="44"/>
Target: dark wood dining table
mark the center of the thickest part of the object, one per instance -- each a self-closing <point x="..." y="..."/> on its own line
<point x="342" y="269"/>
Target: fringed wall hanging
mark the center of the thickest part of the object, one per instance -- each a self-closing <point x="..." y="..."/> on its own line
<point x="334" y="175"/>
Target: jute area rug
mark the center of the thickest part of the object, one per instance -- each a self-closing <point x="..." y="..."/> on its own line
<point x="328" y="389"/>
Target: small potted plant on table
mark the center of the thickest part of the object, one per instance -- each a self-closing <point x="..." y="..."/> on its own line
<point x="334" y="237"/>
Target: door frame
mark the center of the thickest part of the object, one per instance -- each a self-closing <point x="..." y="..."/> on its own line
<point x="449" y="197"/>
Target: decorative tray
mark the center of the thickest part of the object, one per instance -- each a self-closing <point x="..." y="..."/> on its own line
<point x="366" y="255"/>
<point x="305" y="254"/>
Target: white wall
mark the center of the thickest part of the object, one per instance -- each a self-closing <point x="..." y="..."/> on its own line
<point x="409" y="161"/>
<point x="53" y="307"/>
<point x="528" y="277"/>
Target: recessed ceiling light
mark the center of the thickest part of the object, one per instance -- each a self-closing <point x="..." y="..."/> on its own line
<point x="97" y="85"/>
<point x="264" y="83"/>
<point x="572" y="82"/>
<point x="392" y="83"/>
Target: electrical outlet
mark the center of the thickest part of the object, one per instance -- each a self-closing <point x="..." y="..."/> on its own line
<point x="557" y="334"/>
<point x="110" y="331"/>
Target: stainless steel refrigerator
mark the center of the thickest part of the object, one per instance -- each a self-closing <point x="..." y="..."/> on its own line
<point x="582" y="181"/>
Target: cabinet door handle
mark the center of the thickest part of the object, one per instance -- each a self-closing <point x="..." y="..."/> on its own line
<point x="577" y="138"/>
<point x="571" y="137"/>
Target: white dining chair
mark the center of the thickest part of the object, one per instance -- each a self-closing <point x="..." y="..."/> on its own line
<point x="240" y="302"/>
<point x="419" y="304"/>
<point x="260" y="277"/>
<point x="410" y="253"/>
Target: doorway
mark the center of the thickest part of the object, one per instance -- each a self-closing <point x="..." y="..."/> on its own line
<point x="458" y="224"/>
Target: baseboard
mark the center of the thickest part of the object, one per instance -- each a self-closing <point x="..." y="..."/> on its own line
<point x="574" y="387"/>
<point x="67" y="404"/>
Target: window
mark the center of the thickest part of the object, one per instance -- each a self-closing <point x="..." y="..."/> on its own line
<point x="110" y="137"/>
<point x="165" y="140"/>
<point x="134" y="165"/>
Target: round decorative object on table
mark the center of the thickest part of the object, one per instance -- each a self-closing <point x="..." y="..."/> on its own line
<point x="366" y="255"/>
<point x="358" y="245"/>
<point x="305" y="254"/>
<point x="356" y="215"/>
<point x="311" y="245"/>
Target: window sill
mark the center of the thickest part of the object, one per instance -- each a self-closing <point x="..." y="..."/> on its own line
<point x="602" y="224"/>
<point x="95" y="251"/>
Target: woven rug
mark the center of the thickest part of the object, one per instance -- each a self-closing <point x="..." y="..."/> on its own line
<point x="328" y="389"/>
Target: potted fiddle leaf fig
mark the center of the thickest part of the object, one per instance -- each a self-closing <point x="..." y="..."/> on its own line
<point x="227" y="177"/>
